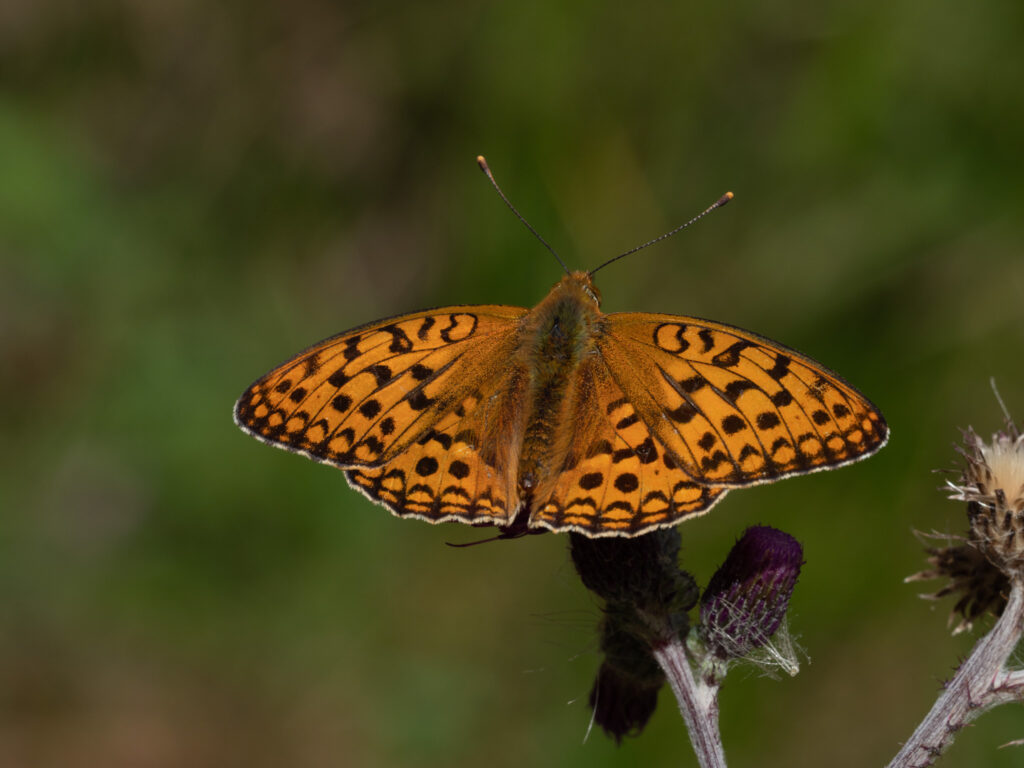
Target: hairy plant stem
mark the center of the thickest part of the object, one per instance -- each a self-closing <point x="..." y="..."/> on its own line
<point x="981" y="682"/>
<point x="698" y="703"/>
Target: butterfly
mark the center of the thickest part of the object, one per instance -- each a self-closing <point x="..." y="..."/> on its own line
<point x="561" y="417"/>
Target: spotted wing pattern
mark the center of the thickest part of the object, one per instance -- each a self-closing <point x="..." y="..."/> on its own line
<point x="618" y="479"/>
<point x="464" y="467"/>
<point x="397" y="391"/>
<point x="733" y="408"/>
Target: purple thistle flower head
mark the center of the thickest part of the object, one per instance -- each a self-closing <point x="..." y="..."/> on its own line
<point x="747" y="598"/>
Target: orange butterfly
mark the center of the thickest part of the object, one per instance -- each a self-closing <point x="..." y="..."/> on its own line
<point x="561" y="417"/>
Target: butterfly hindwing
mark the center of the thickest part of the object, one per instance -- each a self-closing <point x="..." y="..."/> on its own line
<point x="617" y="478"/>
<point x="735" y="408"/>
<point x="362" y="397"/>
<point x="464" y="467"/>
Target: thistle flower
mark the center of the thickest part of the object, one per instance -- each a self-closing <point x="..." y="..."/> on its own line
<point x="746" y="600"/>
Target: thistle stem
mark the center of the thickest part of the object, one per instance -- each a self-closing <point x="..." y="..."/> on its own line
<point x="698" y="703"/>
<point x="980" y="683"/>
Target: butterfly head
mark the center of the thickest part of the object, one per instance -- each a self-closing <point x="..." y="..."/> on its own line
<point x="580" y="283"/>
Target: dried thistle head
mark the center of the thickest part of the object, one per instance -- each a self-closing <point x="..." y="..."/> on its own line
<point x="980" y="585"/>
<point x="992" y="484"/>
<point x="979" y="568"/>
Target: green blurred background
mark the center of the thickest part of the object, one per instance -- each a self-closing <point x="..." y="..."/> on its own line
<point x="191" y="192"/>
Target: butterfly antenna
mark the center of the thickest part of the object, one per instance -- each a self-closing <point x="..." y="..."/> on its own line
<point x="484" y="167"/>
<point x="717" y="204"/>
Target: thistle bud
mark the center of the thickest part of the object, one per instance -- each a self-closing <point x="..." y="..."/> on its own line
<point x="746" y="600"/>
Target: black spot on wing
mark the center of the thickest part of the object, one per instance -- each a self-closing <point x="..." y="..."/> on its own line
<point x="419" y="401"/>
<point x="614" y="405"/>
<point x="338" y="378"/>
<point x="646" y="452"/>
<point x="425" y="326"/>
<point x="442" y="439"/>
<point x="627" y="422"/>
<point x="400" y="341"/>
<point x="627" y="482"/>
<point x="683" y="414"/>
<point x="781" y="367"/>
<point x="381" y="373"/>
<point x="736" y="388"/>
<point x="712" y="462"/>
<point x="693" y="384"/>
<point x="622" y="454"/>
<point x="372" y="444"/>
<point x="420" y="372"/>
<point x="748" y="450"/>
<point x="731" y="355"/>
<point x="351" y="350"/>
<point x="733" y="424"/>
<point x="369" y="409"/>
<point x="426" y="466"/>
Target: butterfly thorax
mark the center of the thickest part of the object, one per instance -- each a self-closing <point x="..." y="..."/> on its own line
<point x="558" y="341"/>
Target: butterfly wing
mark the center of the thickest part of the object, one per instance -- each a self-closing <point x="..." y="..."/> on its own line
<point x="733" y="408"/>
<point x="464" y="467"/>
<point x="400" y="387"/>
<point x="617" y="478"/>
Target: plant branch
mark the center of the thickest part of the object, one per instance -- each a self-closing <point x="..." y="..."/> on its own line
<point x="979" y="684"/>
<point x="698" y="703"/>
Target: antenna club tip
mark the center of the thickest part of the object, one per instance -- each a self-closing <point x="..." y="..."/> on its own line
<point x="481" y="162"/>
<point x="726" y="198"/>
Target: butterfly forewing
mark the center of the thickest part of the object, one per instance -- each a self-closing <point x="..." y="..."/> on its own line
<point x="733" y="408"/>
<point x="364" y="396"/>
